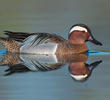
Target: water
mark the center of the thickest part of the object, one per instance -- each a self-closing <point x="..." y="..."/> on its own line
<point x="27" y="83"/>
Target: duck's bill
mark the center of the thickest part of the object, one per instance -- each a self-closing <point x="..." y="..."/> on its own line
<point x="93" y="40"/>
<point x="96" y="42"/>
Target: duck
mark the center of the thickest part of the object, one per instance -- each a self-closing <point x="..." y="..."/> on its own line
<point x="48" y="43"/>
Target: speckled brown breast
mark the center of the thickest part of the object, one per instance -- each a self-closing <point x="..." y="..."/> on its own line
<point x="68" y="48"/>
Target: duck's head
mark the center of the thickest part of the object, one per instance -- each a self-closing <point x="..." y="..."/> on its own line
<point x="78" y="71"/>
<point x="80" y="33"/>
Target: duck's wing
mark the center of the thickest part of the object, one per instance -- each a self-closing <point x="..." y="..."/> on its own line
<point x="39" y="38"/>
<point x="41" y="43"/>
<point x="21" y="36"/>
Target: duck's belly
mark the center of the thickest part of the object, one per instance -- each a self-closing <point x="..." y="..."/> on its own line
<point x="44" y="48"/>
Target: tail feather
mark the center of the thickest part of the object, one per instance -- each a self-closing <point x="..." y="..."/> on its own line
<point x="18" y="36"/>
<point x="13" y="41"/>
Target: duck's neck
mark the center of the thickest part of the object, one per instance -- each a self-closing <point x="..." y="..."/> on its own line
<point x="78" y="43"/>
<point x="76" y="40"/>
<point x="79" y="48"/>
<point x="70" y="48"/>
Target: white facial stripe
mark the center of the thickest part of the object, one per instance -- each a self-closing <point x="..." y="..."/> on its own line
<point x="78" y="28"/>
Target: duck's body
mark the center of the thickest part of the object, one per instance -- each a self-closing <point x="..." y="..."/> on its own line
<point x="46" y="43"/>
<point x="43" y="43"/>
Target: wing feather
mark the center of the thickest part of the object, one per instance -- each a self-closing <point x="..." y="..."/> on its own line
<point x="41" y="44"/>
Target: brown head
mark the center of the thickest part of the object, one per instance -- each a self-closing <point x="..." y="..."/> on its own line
<point x="80" y="71"/>
<point x="80" y="33"/>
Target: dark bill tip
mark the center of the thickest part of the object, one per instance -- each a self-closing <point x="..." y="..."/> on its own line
<point x="93" y="40"/>
<point x="96" y="42"/>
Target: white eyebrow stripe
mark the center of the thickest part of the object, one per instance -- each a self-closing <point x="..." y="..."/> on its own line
<point x="78" y="28"/>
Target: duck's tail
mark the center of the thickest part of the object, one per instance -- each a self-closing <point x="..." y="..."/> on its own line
<point x="13" y="40"/>
<point x="17" y="36"/>
<point x="10" y="45"/>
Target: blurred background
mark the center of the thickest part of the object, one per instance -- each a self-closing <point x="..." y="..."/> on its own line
<point x="57" y="16"/>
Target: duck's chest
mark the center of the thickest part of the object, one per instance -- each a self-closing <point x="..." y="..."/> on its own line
<point x="67" y="48"/>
